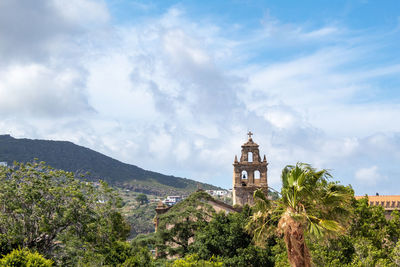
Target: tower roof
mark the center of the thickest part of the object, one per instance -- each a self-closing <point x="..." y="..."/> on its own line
<point x="250" y="141"/>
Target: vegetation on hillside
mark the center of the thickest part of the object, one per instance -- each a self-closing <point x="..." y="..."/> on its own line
<point x="70" y="157"/>
<point x="142" y="219"/>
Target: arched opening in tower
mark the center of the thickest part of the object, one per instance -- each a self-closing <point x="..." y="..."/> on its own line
<point x="257" y="174"/>
<point x="244" y="175"/>
<point x="250" y="157"/>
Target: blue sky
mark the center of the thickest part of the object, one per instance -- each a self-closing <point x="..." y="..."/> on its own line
<point x="174" y="86"/>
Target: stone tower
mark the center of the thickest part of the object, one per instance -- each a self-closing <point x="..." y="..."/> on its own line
<point x="249" y="174"/>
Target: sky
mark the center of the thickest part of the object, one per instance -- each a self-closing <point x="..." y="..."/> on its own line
<point x="174" y="86"/>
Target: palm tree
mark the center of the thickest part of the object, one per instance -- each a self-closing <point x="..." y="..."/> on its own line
<point x="309" y="204"/>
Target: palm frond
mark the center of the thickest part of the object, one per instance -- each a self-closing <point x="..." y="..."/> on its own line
<point x="315" y="230"/>
<point x="320" y="227"/>
<point x="309" y="200"/>
<point x="331" y="225"/>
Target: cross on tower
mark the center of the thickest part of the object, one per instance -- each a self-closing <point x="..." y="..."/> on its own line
<point x="249" y="134"/>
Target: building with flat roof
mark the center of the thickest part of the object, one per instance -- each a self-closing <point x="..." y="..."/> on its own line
<point x="388" y="202"/>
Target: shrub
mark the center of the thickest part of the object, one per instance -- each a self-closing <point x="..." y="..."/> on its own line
<point x="24" y="257"/>
<point x="192" y="260"/>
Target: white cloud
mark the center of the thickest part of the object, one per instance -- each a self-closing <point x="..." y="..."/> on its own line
<point x="319" y="88"/>
<point x="182" y="151"/>
<point x="369" y="175"/>
<point x="45" y="30"/>
<point x="112" y="92"/>
<point x="35" y="90"/>
<point x="83" y="12"/>
<point x="322" y="33"/>
<point x="160" y="145"/>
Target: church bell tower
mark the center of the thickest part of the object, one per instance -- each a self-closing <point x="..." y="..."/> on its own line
<point x="249" y="174"/>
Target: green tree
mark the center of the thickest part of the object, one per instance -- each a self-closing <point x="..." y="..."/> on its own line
<point x="141" y="257"/>
<point x="373" y="235"/>
<point x="370" y="241"/>
<point x="142" y="199"/>
<point x="309" y="203"/>
<point x="193" y="260"/>
<point x="395" y="255"/>
<point x="23" y="257"/>
<point x="54" y="213"/>
<point x="177" y="227"/>
<point x="224" y="236"/>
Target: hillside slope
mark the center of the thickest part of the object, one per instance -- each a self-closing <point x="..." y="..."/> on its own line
<point x="70" y="157"/>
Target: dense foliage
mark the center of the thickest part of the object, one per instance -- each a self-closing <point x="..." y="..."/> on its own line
<point x="193" y="260"/>
<point x="57" y="215"/>
<point x="177" y="227"/>
<point x="225" y="236"/>
<point x="49" y="217"/>
<point x="193" y="229"/>
<point x="336" y="229"/>
<point x="371" y="240"/>
<point x="23" y="257"/>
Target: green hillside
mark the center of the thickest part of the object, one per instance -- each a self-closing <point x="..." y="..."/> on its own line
<point x="70" y="157"/>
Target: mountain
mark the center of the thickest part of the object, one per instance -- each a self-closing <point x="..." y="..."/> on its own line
<point x="70" y="157"/>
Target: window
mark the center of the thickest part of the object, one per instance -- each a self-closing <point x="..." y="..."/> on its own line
<point x="244" y="175"/>
<point x="250" y="157"/>
<point x="257" y="174"/>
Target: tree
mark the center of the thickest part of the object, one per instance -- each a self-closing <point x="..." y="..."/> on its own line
<point x="370" y="241"/>
<point x="142" y="199"/>
<point x="395" y="255"/>
<point x="177" y="227"/>
<point x="309" y="203"/>
<point x="54" y="213"/>
<point x="192" y="260"/>
<point x="224" y="236"/>
<point x="128" y="255"/>
<point x="141" y="258"/>
<point x="23" y="257"/>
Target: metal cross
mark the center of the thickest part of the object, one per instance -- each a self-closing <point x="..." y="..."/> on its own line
<point x="249" y="134"/>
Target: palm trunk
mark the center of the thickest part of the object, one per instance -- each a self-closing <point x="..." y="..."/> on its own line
<point x="297" y="250"/>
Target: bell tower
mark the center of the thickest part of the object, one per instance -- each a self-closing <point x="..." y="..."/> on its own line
<point x="249" y="174"/>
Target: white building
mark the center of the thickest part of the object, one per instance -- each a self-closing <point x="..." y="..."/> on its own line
<point x="217" y="193"/>
<point x="172" y="200"/>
